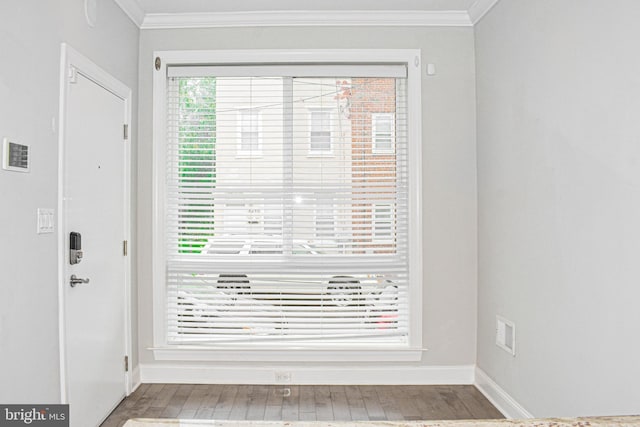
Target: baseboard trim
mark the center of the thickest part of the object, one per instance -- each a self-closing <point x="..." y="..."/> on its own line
<point x="506" y="404"/>
<point x="135" y="379"/>
<point x="319" y="375"/>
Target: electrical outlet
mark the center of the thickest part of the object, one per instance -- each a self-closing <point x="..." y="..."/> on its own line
<point x="283" y="377"/>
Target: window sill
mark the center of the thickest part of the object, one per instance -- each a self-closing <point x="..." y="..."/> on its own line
<point x="201" y="354"/>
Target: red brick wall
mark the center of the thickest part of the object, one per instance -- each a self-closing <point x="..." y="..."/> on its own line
<point x="370" y="96"/>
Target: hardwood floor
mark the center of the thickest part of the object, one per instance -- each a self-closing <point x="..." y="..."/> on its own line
<point x="322" y="403"/>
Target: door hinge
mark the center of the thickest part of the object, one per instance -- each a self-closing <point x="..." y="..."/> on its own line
<point x="126" y="132"/>
<point x="126" y="363"/>
<point x="125" y="247"/>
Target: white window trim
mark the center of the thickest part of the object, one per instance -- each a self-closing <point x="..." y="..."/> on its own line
<point x="374" y="119"/>
<point x="412" y="59"/>
<point x="321" y="153"/>
<point x="248" y="154"/>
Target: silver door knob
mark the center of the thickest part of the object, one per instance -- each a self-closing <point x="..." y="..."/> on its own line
<point x="77" y="280"/>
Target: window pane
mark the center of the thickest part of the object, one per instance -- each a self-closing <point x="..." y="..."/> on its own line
<point x="195" y="136"/>
<point x="320" y="132"/>
<point x="383" y="132"/>
<point x="224" y="194"/>
<point x="248" y="194"/>
<point x="306" y="241"/>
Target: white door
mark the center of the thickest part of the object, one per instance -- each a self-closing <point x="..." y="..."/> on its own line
<point x="94" y="206"/>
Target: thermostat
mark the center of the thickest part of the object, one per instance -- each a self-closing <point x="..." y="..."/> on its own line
<point x="15" y="157"/>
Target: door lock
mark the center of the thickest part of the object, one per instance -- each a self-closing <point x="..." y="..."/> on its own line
<point x="75" y="248"/>
<point x="77" y="280"/>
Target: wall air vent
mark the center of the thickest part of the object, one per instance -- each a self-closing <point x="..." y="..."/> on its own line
<point x="15" y="157"/>
<point x="506" y="335"/>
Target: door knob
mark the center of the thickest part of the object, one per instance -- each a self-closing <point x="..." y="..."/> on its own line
<point x="77" y="280"/>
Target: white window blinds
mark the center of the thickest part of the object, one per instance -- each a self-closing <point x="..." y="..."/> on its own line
<point x="249" y="131"/>
<point x="285" y="247"/>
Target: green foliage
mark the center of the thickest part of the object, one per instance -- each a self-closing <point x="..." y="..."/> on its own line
<point x="197" y="160"/>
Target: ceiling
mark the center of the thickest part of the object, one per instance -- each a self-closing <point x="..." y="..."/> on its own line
<point x="150" y="14"/>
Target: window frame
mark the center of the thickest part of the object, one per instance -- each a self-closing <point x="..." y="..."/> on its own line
<point x="374" y="131"/>
<point x="411" y="58"/>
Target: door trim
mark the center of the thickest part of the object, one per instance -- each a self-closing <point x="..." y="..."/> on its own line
<point x="72" y="61"/>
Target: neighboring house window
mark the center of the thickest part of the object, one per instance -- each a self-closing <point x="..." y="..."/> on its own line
<point x="250" y="144"/>
<point x="272" y="220"/>
<point x="325" y="219"/>
<point x="383" y="222"/>
<point x="320" y="131"/>
<point x="284" y="251"/>
<point x="383" y="132"/>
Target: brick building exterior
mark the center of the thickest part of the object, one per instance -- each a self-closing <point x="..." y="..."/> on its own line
<point x="373" y="218"/>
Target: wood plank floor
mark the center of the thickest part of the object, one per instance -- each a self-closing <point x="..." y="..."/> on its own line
<point x="291" y="403"/>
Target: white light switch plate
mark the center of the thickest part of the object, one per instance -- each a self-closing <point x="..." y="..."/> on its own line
<point x="46" y="219"/>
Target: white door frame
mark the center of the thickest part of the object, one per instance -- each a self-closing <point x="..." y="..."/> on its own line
<point x="71" y="62"/>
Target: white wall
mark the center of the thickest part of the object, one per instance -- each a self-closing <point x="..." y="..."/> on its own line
<point x="30" y="35"/>
<point x="449" y="165"/>
<point x="558" y="86"/>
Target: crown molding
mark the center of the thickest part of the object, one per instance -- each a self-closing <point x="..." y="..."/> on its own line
<point x="479" y="9"/>
<point x="133" y="10"/>
<point x="327" y="18"/>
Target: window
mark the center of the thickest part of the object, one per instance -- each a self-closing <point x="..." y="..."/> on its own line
<point x="286" y="250"/>
<point x="383" y="132"/>
<point x="193" y="124"/>
<point x="319" y="132"/>
<point x="249" y="133"/>
<point x="383" y="223"/>
<point x="325" y="219"/>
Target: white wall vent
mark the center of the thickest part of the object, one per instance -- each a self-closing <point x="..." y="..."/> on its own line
<point x="15" y="157"/>
<point x="506" y="335"/>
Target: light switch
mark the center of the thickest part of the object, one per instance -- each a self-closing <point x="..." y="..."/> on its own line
<point x="46" y="218"/>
